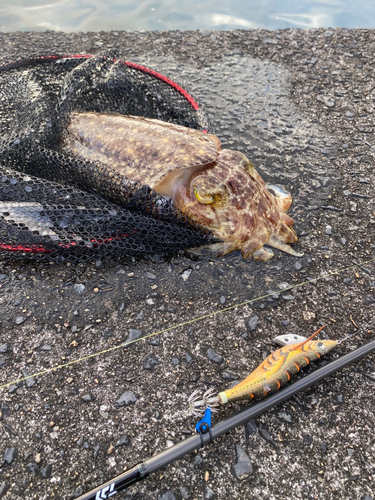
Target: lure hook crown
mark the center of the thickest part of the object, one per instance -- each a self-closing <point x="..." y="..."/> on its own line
<point x="197" y="406"/>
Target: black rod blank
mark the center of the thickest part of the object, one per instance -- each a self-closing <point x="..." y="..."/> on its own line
<point x="186" y="446"/>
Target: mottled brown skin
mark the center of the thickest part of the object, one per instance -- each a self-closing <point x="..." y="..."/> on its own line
<point x="219" y="189"/>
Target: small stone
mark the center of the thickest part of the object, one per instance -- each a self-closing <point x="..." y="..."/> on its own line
<point x="243" y="465"/>
<point x="86" y="397"/>
<point x="347" y="281"/>
<point x="225" y="375"/>
<point x="12" y="388"/>
<point x="3" y="348"/>
<point x="127" y="398"/>
<point x="297" y="266"/>
<point x="329" y="230"/>
<point x="46" y="471"/>
<point x="3" y="277"/>
<point x="323" y="447"/>
<point x="19" y="320"/>
<point x="110" y="449"/>
<point x="79" y="288"/>
<point x="222" y="299"/>
<point x="133" y="335"/>
<point x="253" y="321"/>
<point x="209" y="494"/>
<point x="250" y="427"/>
<point x="198" y="459"/>
<point x="167" y="496"/>
<point x="189" y="357"/>
<point x="150" y="302"/>
<point x="3" y="489"/>
<point x="370" y="299"/>
<point x="214" y="357"/>
<point x="31" y="467"/>
<point x="46" y="347"/>
<point x="307" y="439"/>
<point x="186" y="274"/>
<point x="155" y="341"/>
<point x="184" y="492"/>
<point x="150" y="276"/>
<point x="285" y="322"/>
<point x="30" y="381"/>
<point x="140" y="315"/>
<point x="288" y="297"/>
<point x="96" y="450"/>
<point x="285" y="417"/>
<point x="343" y="241"/>
<point x="175" y="361"/>
<point x="340" y="398"/>
<point x="10" y="454"/>
<point x="266" y="436"/>
<point x="151" y="362"/>
<point x="122" y="441"/>
<point x="5" y="411"/>
<point x="77" y="492"/>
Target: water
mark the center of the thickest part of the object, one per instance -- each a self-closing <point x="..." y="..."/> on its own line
<point x="96" y="15"/>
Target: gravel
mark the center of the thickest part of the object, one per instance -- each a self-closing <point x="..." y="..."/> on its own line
<point x="269" y="94"/>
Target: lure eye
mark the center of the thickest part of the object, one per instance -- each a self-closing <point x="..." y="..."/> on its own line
<point x="206" y="200"/>
<point x="320" y="345"/>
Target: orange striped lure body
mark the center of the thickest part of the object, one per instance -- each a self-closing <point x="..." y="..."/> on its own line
<point x="277" y="369"/>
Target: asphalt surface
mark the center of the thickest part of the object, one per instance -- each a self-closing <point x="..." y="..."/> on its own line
<point x="300" y="104"/>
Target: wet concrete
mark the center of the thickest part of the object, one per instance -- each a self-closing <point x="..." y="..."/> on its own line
<point x="300" y="104"/>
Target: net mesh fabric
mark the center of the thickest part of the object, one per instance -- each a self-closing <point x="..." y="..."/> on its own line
<point x="56" y="205"/>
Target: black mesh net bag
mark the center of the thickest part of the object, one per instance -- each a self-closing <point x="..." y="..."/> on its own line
<point x="56" y="205"/>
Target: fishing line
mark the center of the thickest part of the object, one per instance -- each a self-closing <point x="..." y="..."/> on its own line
<point x="185" y="323"/>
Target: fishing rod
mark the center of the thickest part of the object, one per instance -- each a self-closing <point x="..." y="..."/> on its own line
<point x="164" y="458"/>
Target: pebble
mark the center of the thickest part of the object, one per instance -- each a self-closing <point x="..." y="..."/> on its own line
<point x="46" y="347"/>
<point x="186" y="274"/>
<point x="79" y="288"/>
<point x="214" y="357"/>
<point x="266" y="436"/>
<point x="151" y="362"/>
<point x="198" y="459"/>
<point x="155" y="341"/>
<point x="31" y="467"/>
<point x="288" y="297"/>
<point x="29" y="381"/>
<point x="12" y="388"/>
<point x="133" y="335"/>
<point x="122" y="441"/>
<point x="208" y="494"/>
<point x="297" y="266"/>
<point x="167" y="496"/>
<point x="243" y="465"/>
<point x="19" y="320"/>
<point x="307" y="439"/>
<point x="253" y="321"/>
<point x="222" y="299"/>
<point x="228" y="376"/>
<point x="285" y="322"/>
<point x="46" y="471"/>
<point x="140" y="315"/>
<point x="3" y="348"/>
<point x="343" y="241"/>
<point x="323" y="447"/>
<point x="189" y="357"/>
<point x="3" y="277"/>
<point x="86" y="398"/>
<point x="150" y="302"/>
<point x="127" y="398"/>
<point x="3" y="488"/>
<point x="175" y="361"/>
<point x="150" y="276"/>
<point x="10" y="454"/>
<point x="285" y="417"/>
<point x="184" y="492"/>
<point x="329" y="230"/>
<point x="250" y="427"/>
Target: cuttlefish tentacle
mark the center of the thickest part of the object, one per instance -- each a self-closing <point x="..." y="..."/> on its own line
<point x="276" y="243"/>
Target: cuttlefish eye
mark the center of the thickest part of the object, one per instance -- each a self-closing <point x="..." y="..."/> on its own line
<point x="203" y="197"/>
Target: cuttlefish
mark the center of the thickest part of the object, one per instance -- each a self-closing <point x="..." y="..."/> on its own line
<point x="218" y="188"/>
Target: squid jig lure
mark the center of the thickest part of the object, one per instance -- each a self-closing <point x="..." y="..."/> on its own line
<point x="275" y="371"/>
